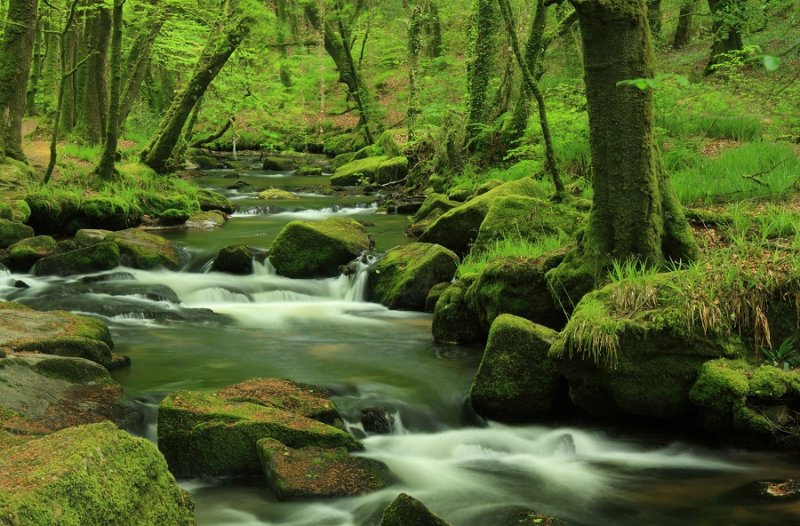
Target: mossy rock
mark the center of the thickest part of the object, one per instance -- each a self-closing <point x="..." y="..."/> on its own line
<point x="516" y="285"/>
<point x="516" y="380"/>
<point x="85" y="475"/>
<point x="342" y="159"/>
<point x="434" y="294"/>
<point x="16" y="210"/>
<point x="314" y="472"/>
<point x="278" y="164"/>
<point x="140" y="249"/>
<point x="403" y="277"/>
<point x="206" y="220"/>
<point x="11" y="232"/>
<point x="388" y="144"/>
<point x="205" y="435"/>
<point x="528" y="218"/>
<point x="406" y="510"/>
<point x="173" y="217"/>
<point x="358" y="171"/>
<point x="110" y="213"/>
<point x="275" y="194"/>
<point x="210" y="200"/>
<point x="86" y="237"/>
<point x="453" y="320"/>
<point x="391" y="171"/>
<point x="456" y="229"/>
<point x="93" y="258"/>
<point x="16" y="175"/>
<point x="306" y="249"/>
<point x="23" y="254"/>
<point x="153" y="204"/>
<point x="53" y="212"/>
<point x="234" y="259"/>
<point x="344" y="143"/>
<point x="309" y="171"/>
<point x="433" y="202"/>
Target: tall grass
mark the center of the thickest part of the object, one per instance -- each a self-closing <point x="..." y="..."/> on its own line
<point x="510" y="247"/>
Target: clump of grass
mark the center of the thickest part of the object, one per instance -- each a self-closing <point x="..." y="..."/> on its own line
<point x="592" y="333"/>
<point x="637" y="290"/>
<point x="510" y="247"/>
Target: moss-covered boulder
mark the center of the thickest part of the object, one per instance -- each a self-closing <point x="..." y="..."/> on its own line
<point x="747" y="404"/>
<point x="234" y="259"/>
<point x="456" y="229"/>
<point x="16" y="175"/>
<point x="528" y="218"/>
<point x="205" y="435"/>
<point x="516" y="380"/>
<point x="173" y="217"/>
<point x="278" y="164"/>
<point x="314" y="472"/>
<point x="210" y="200"/>
<point x="53" y="212"/>
<point x="358" y="171"/>
<point x="433" y="202"/>
<point x="309" y="170"/>
<point x="406" y="510"/>
<point x="405" y="275"/>
<point x="391" y="171"/>
<point x="153" y="204"/>
<point x="434" y="294"/>
<point x="140" y="249"/>
<point x="93" y="475"/>
<point x="57" y="332"/>
<point x="275" y="194"/>
<point x="516" y="285"/>
<point x="206" y="220"/>
<point x="15" y="210"/>
<point x="11" y="232"/>
<point x="453" y="320"/>
<point x="93" y="258"/>
<point x="306" y="249"/>
<point x="110" y="213"/>
<point x="90" y="236"/>
<point x="23" y="254"/>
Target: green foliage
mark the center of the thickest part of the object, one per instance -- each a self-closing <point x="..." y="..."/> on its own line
<point x="785" y="356"/>
<point x="510" y="247"/>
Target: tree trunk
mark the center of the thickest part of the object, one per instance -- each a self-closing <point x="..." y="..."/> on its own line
<point x="414" y="47"/>
<point x="433" y="29"/>
<point x="635" y="214"/>
<point x="482" y="49"/>
<point x="36" y="71"/>
<point x="16" y="50"/>
<point x="219" y="48"/>
<point x="95" y="90"/>
<point x="683" y="31"/>
<point x="726" y="35"/>
<point x="70" y="44"/>
<point x="105" y="168"/>
<point x="654" y="16"/>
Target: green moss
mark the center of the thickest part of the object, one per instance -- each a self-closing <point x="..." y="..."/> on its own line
<point x="111" y="213"/>
<point x="274" y="194"/>
<point x="353" y="173"/>
<point x="153" y="204"/>
<point x="309" y="170"/>
<point x="387" y="142"/>
<point x="75" y="371"/>
<point x="11" y="232"/>
<point x="25" y="253"/>
<point x="721" y="385"/>
<point x="278" y="164"/>
<point x="433" y="202"/>
<point x="210" y="200"/>
<point x="173" y="217"/>
<point x="52" y="210"/>
<point x="393" y="170"/>
<point x="94" y="258"/>
<point x="234" y="259"/>
<point x="453" y="320"/>
<point x="434" y="294"/>
<point x="305" y="249"/>
<point x="406" y="510"/>
<point x="139" y="249"/>
<point x="16" y="210"/>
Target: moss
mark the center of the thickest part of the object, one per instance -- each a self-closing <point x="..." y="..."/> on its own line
<point x="111" y="213"/>
<point x="458" y="228"/>
<point x="387" y="142"/>
<point x="52" y="211"/>
<point x="769" y="382"/>
<point x="16" y="175"/>
<point x="433" y="202"/>
<point x="516" y="380"/>
<point x="434" y="294"/>
<point x="173" y="217"/>
<point x="278" y="164"/>
<point x="274" y="194"/>
<point x="353" y="173"/>
<point x="205" y="220"/>
<point x="94" y="258"/>
<point x="307" y="171"/>
<point x="90" y="475"/>
<point x="393" y="170"/>
<point x="406" y="510"/>
<point x="25" y="253"/>
<point x="342" y="159"/>
<point x="16" y="210"/>
<point x="90" y="236"/>
<point x="453" y="320"/>
<point x="402" y="279"/>
<point x="139" y="249"/>
<point x="153" y="204"/>
<point x="11" y="232"/>
<point x="76" y="371"/>
<point x="234" y="259"/>
<point x="305" y="249"/>
<point x="210" y="200"/>
<point x="571" y="280"/>
<point x="721" y="385"/>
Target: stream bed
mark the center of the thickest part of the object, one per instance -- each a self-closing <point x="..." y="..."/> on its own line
<point x="209" y="330"/>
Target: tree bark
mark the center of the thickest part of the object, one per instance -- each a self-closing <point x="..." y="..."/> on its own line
<point x="93" y="116"/>
<point x="726" y="35"/>
<point x="36" y="68"/>
<point x="105" y="168"/>
<point x="16" y="51"/>
<point x="480" y="61"/>
<point x="683" y="31"/>
<point x="635" y="214"/>
<point x="654" y="16"/>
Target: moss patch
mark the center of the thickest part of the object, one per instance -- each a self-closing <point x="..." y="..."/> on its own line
<point x="94" y="258"/>
<point x="406" y="510"/>
<point x="139" y="249"/>
<point x="11" y="232"/>
<point x="453" y="320"/>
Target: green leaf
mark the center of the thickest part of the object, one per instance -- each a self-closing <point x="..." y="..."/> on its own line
<point x="771" y="62"/>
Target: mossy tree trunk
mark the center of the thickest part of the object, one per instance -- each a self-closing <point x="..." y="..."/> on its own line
<point x="635" y="214"/>
<point x="69" y="46"/>
<point x="725" y="32"/>
<point x="94" y="99"/>
<point x="221" y="45"/>
<point x="16" y="52"/>
<point x="482" y="51"/>
<point x="36" y="67"/>
<point x="105" y="168"/>
<point x="414" y="47"/>
<point x="139" y="56"/>
<point x="683" y="31"/>
<point x="654" y="16"/>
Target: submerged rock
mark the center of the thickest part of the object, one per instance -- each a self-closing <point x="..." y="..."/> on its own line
<point x="313" y="472"/>
<point x="93" y="475"/>
<point x="406" y="510"/>
<point x="376" y="420"/>
<point x="234" y="259"/>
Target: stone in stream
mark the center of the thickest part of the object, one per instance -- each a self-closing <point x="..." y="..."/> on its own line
<point x="234" y="259"/>
<point x="275" y="194"/>
<point x="376" y="420"/>
<point x="210" y="200"/>
<point x="380" y="169"/>
<point x="23" y="254"/>
<point x="314" y="249"/>
<point x="453" y="320"/>
<point x="92" y="475"/>
<point x="532" y="518"/>
<point x="278" y="164"/>
<point x="11" y="232"/>
<point x="93" y="258"/>
<point x="313" y="472"/>
<point x="406" y="510"/>
<point x="140" y="249"/>
<point x="403" y="277"/>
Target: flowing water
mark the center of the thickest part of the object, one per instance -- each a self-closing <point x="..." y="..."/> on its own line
<point x="204" y="330"/>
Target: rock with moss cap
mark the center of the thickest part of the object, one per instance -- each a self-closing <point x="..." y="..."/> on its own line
<point x="53" y="212"/>
<point x="23" y="254"/>
<point x="206" y="220"/>
<point x="206" y="435"/>
<point x="403" y="277"/>
<point x="275" y="194"/>
<point x="434" y="294"/>
<point x="314" y="472"/>
<point x="16" y="210"/>
<point x="11" y="232"/>
<point x="140" y="249"/>
<point x="210" y="200"/>
<point x="453" y="320"/>
<point x="234" y="259"/>
<point x="406" y="510"/>
<point x="456" y="229"/>
<point x="57" y="332"/>
<point x="516" y="380"/>
<point x="379" y="169"/>
<point x="433" y="202"/>
<point x="93" y="258"/>
<point x="278" y="164"/>
<point x="308" y="249"/>
<point x="111" y="213"/>
<point x="85" y="475"/>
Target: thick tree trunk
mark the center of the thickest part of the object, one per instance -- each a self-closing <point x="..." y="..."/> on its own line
<point x="432" y="27"/>
<point x="635" y="214"/>
<point x="16" y="51"/>
<point x="483" y="31"/>
<point x="105" y="168"/>
<point x="138" y="60"/>
<point x="95" y="90"/>
<point x="654" y="16"/>
<point x="415" y="25"/>
<point x="219" y="48"/>
<point x="36" y="70"/>
<point x="70" y="44"/>
<point x="726" y="35"/>
<point x="683" y="31"/>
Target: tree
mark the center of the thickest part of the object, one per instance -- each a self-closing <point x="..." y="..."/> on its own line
<point x="483" y="42"/>
<point x="16" y="53"/>
<point x="93" y="98"/>
<point x="726" y="17"/>
<point x="105" y="168"/>
<point x="683" y="31"/>
<point x="635" y="214"/>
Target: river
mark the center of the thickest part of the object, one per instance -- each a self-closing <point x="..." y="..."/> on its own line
<point x="212" y="330"/>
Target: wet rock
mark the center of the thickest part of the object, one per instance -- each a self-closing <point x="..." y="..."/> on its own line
<point x="434" y="294"/>
<point x="110" y="213"/>
<point x="380" y="169"/>
<point x="85" y="475"/>
<point x="314" y="472"/>
<point x="19" y="284"/>
<point x="210" y="200"/>
<point x="312" y="249"/>
<point x="406" y="510"/>
<point x="94" y="258"/>
<point x="109" y="276"/>
<point x="234" y="259"/>
<point x="516" y="380"/>
<point x="173" y="217"/>
<point x="90" y="236"/>
<point x="310" y="170"/>
<point x="433" y="202"/>
<point x="453" y="320"/>
<point x="278" y="164"/>
<point x="531" y="518"/>
<point x="11" y="232"/>
<point x="53" y="212"/>
<point x="23" y="254"/>
<point x="139" y="249"/>
<point x="275" y="194"/>
<point x="376" y="420"/>
<point x="206" y="220"/>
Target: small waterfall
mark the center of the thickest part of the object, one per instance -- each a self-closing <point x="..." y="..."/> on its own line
<point x="264" y="268"/>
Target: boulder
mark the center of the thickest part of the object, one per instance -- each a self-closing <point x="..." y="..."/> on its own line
<point x="379" y="169"/>
<point x="58" y="333"/>
<point x="314" y="472"/>
<point x="405" y="275"/>
<point x="376" y="420"/>
<point x="205" y="435"/>
<point x="305" y="249"/>
<point x="23" y="254"/>
<point x="433" y="202"/>
<point x="206" y="220"/>
<point x="92" y="475"/>
<point x="406" y="510"/>
<point x="53" y="212"/>
<point x="210" y="200"/>
<point x="140" y="249"/>
<point x="274" y="194"/>
<point x="278" y="164"/>
<point x="16" y="210"/>
<point x="453" y="320"/>
<point x="90" y="236"/>
<point x="111" y="213"/>
<point x="309" y="170"/>
<point x="234" y="259"/>
<point x="93" y="258"/>
<point x="11" y="232"/>
<point x="391" y="171"/>
<point x="516" y="285"/>
<point x="173" y="217"/>
<point x="516" y="380"/>
<point x="456" y="229"/>
<point x="434" y="294"/>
